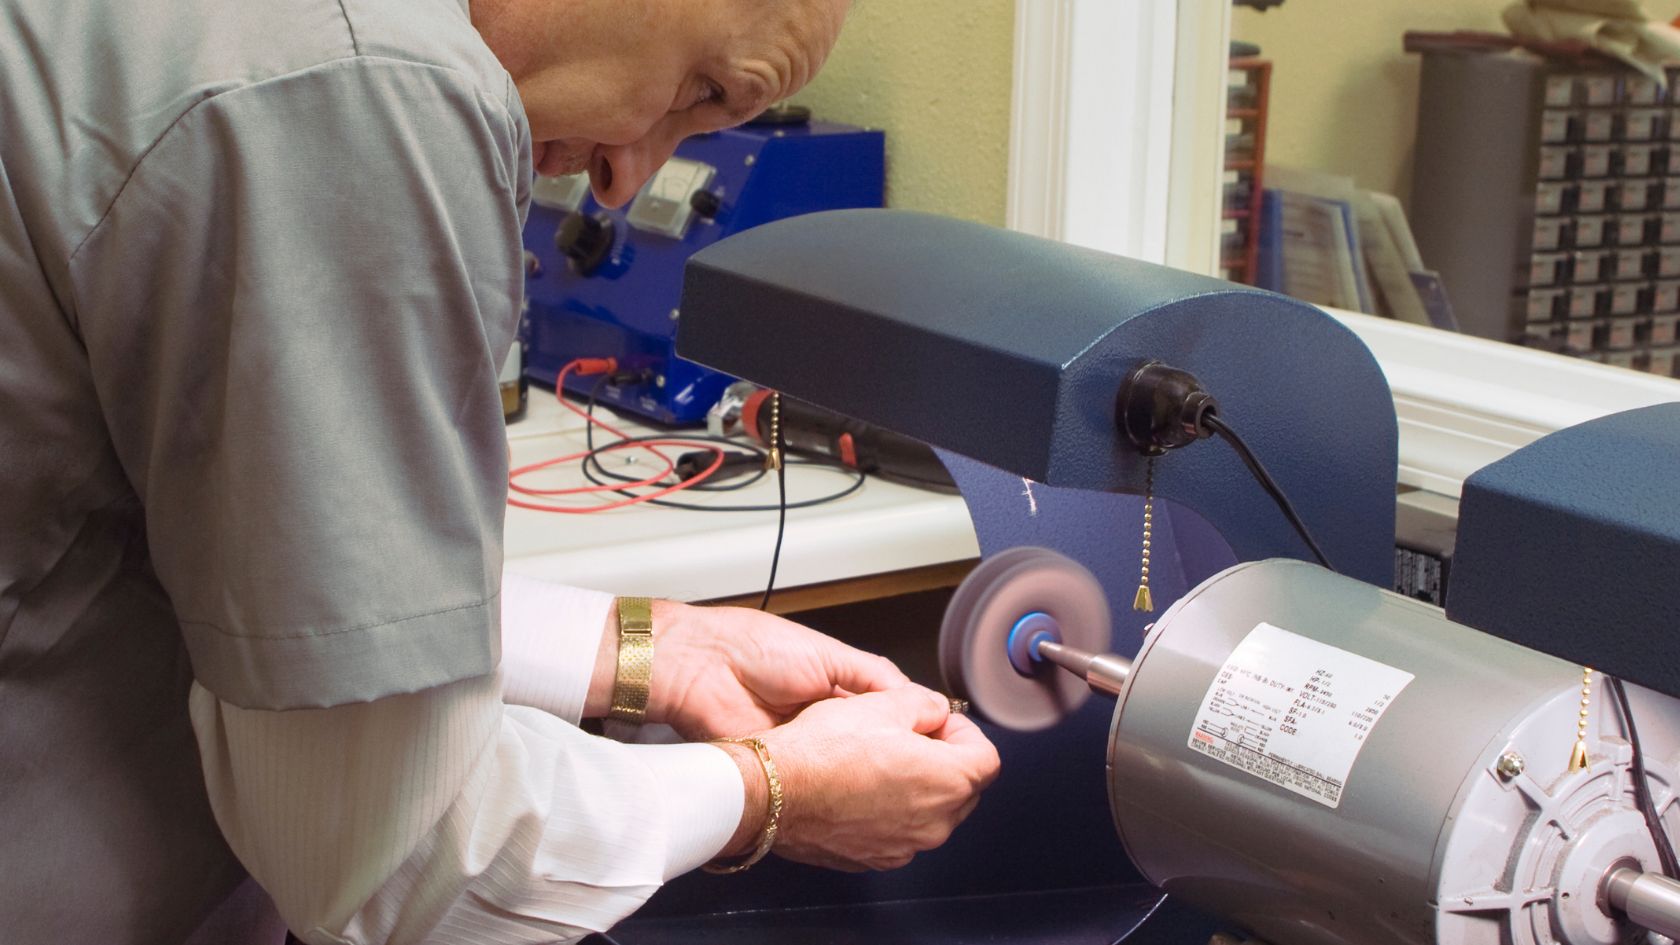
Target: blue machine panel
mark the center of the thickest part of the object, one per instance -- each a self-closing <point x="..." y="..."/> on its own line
<point x="1010" y="349"/>
<point x="1571" y="546"/>
<point x="609" y="282"/>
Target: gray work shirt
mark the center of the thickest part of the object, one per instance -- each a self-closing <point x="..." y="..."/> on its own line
<point x="258" y="265"/>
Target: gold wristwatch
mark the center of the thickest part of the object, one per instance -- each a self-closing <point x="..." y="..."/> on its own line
<point x="634" y="678"/>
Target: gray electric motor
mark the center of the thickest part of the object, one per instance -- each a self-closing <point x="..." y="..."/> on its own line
<point x="1327" y="763"/>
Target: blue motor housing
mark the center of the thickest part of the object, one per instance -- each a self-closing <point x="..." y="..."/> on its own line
<point x="1571" y="546"/>
<point x="608" y="283"/>
<point x="1012" y="350"/>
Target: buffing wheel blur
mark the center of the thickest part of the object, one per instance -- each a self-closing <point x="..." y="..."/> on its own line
<point x="974" y="637"/>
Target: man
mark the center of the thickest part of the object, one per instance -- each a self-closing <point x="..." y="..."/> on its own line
<point x="258" y="265"/>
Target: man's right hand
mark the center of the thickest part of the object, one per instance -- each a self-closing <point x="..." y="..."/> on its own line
<point x="870" y="780"/>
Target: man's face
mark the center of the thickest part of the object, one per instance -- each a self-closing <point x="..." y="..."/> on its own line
<point x="619" y="108"/>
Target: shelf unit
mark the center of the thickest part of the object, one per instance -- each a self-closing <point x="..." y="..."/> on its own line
<point x="1248" y="91"/>
<point x="1547" y="193"/>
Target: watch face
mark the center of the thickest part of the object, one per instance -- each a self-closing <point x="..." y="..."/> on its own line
<point x="663" y="206"/>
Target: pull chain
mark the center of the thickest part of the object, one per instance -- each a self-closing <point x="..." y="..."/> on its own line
<point x="1578" y="757"/>
<point x="773" y="459"/>
<point x="1143" y="602"/>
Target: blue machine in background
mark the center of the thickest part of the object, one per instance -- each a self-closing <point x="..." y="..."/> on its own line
<point x="1493" y="794"/>
<point x="607" y="283"/>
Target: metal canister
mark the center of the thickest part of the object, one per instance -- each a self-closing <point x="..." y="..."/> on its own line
<point x="1328" y="763"/>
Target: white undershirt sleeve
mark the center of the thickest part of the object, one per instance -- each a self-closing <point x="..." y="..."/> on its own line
<point x="446" y="817"/>
<point x="550" y="634"/>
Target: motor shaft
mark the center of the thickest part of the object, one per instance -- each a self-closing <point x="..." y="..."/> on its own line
<point x="1103" y="672"/>
<point x="1649" y="900"/>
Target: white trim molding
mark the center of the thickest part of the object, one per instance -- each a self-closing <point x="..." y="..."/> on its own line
<point x="1038" y="117"/>
<point x="1196" y="194"/>
<point x="1117" y="129"/>
<point x="1464" y="402"/>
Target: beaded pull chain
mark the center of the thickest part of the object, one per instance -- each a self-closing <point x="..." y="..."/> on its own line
<point x="1143" y="602"/>
<point x="773" y="458"/>
<point x="1578" y="757"/>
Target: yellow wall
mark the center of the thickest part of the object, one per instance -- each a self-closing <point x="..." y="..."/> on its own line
<point x="1344" y="93"/>
<point x="935" y="75"/>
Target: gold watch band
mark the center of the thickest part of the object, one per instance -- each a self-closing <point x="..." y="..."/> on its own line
<point x="634" y="678"/>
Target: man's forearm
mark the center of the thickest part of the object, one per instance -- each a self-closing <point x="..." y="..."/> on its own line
<point x="605" y="670"/>
<point x="666" y="617"/>
<point x="552" y="638"/>
<point x="600" y="700"/>
<point x="560" y="646"/>
<point x="444" y="810"/>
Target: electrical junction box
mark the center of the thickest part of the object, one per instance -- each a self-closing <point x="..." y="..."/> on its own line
<point x="1425" y="530"/>
<point x="608" y="283"/>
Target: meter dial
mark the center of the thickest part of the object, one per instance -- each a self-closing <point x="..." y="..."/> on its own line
<point x="663" y="205"/>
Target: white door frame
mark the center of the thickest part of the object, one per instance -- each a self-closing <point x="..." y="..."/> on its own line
<point x="1117" y="126"/>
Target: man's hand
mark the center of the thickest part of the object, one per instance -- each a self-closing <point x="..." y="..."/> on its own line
<point x="722" y="671"/>
<point x="869" y="780"/>
<point x="872" y="780"/>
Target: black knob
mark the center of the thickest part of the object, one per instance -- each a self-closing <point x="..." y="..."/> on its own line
<point x="782" y="113"/>
<point x="585" y="241"/>
<point x="705" y="203"/>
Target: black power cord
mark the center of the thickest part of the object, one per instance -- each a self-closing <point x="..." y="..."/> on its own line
<point x="1161" y="408"/>
<point x="592" y="468"/>
<point x="1642" y="785"/>
<point x="1211" y="420"/>
<point x="598" y="473"/>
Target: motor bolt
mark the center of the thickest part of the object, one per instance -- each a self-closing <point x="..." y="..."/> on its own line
<point x="1510" y="765"/>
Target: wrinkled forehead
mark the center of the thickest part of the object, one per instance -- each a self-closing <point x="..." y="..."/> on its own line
<point x="802" y="29"/>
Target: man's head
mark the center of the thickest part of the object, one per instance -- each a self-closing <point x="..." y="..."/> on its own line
<point x="612" y="86"/>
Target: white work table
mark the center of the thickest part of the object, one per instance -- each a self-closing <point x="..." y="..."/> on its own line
<point x="882" y="540"/>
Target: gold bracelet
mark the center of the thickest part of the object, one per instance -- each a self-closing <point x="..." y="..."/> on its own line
<point x="634" y="678"/>
<point x="773" y="814"/>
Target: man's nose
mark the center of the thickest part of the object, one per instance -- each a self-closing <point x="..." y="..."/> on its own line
<point x="617" y="171"/>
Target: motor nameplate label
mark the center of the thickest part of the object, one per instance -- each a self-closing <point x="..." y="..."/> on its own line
<point x="1294" y="711"/>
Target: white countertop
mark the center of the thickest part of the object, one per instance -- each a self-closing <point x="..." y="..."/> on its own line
<point x="688" y="555"/>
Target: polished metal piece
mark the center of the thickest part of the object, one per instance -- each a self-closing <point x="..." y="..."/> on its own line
<point x="1510" y="765"/>
<point x="1103" y="672"/>
<point x="1650" y="900"/>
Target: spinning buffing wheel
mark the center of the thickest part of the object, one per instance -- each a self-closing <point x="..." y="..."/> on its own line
<point x="1006" y="607"/>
